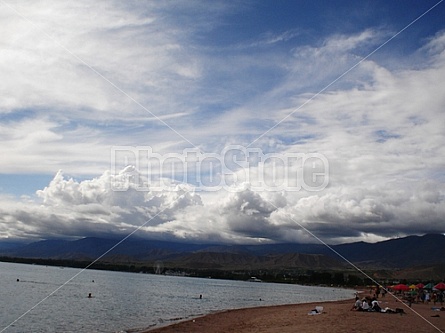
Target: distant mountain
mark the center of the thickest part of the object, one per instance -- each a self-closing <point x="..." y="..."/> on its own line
<point x="9" y="245"/>
<point x="93" y="247"/>
<point x="395" y="253"/>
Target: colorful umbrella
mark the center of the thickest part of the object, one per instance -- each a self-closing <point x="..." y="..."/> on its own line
<point x="420" y="285"/>
<point x="440" y="286"/>
<point x="412" y="287"/>
<point x="429" y="286"/>
<point x="401" y="287"/>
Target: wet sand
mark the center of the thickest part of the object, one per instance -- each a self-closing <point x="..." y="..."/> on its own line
<point x="336" y="317"/>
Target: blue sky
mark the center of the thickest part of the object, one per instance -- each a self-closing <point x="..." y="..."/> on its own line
<point x="284" y="77"/>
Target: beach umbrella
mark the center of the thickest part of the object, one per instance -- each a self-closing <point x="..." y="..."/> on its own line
<point x="420" y="285"/>
<point x="429" y="286"/>
<point x="401" y="287"/>
<point x="440" y="286"/>
<point x="412" y="287"/>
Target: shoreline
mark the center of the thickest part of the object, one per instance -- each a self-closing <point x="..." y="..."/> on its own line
<point x="336" y="317"/>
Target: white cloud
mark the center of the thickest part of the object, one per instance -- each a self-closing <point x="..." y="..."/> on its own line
<point x="68" y="208"/>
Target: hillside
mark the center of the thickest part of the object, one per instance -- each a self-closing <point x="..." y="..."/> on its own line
<point x="401" y="253"/>
<point x="244" y="261"/>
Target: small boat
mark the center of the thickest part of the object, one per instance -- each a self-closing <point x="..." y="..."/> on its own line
<point x="254" y="279"/>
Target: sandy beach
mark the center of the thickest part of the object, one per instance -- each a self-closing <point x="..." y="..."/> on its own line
<point x="336" y="317"/>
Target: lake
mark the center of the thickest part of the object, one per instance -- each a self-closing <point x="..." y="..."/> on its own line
<point x="43" y="301"/>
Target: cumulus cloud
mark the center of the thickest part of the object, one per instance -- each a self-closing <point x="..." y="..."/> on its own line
<point x="91" y="207"/>
<point x="69" y="208"/>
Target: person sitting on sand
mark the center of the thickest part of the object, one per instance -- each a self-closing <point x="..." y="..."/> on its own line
<point x="357" y="305"/>
<point x="375" y="305"/>
<point x="365" y="305"/>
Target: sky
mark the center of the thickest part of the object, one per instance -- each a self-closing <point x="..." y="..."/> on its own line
<point x="239" y="122"/>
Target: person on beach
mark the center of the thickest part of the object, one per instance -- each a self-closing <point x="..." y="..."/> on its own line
<point x="427" y="297"/>
<point x="375" y="306"/>
<point x="357" y="305"/>
<point x="365" y="305"/>
<point x="434" y="298"/>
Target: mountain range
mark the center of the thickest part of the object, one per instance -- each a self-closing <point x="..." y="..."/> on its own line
<point x="400" y="253"/>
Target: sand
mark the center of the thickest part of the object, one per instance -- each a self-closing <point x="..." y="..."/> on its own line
<point x="336" y="317"/>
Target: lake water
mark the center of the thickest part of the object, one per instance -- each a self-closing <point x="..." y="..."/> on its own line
<point x="124" y="302"/>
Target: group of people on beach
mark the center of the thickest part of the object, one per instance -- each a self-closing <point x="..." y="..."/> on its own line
<point x="371" y="304"/>
<point x="423" y="296"/>
<point x="366" y="304"/>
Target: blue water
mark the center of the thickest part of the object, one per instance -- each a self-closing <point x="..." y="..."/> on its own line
<point x="42" y="301"/>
